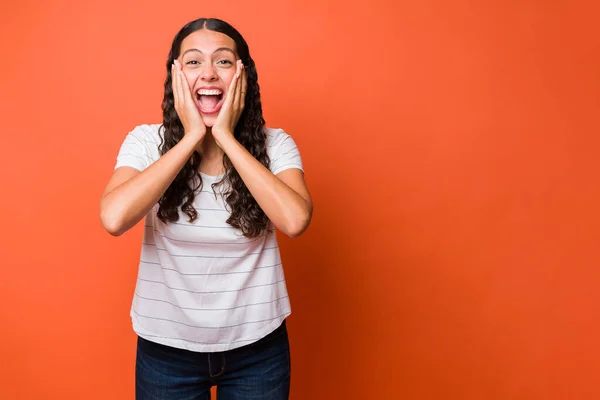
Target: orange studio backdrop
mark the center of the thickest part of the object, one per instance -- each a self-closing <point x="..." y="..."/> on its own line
<point x="451" y="149"/>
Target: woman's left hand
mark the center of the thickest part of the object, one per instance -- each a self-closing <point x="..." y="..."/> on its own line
<point x="230" y="113"/>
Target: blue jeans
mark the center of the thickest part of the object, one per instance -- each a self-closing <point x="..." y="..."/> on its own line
<point x="260" y="370"/>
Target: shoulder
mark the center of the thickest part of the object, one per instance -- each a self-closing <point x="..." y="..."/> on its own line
<point x="139" y="149"/>
<point x="148" y="133"/>
<point x="282" y="150"/>
<point x="275" y="137"/>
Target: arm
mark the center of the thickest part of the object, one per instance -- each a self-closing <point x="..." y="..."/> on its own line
<point x="283" y="197"/>
<point x="130" y="194"/>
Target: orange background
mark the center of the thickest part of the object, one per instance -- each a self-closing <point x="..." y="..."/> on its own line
<point x="451" y="150"/>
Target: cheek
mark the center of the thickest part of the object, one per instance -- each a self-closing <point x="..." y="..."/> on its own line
<point x="191" y="76"/>
<point x="227" y="78"/>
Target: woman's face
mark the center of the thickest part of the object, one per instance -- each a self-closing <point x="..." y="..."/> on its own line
<point x="208" y="59"/>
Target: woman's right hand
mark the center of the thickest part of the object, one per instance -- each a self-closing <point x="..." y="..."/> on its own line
<point x="185" y="106"/>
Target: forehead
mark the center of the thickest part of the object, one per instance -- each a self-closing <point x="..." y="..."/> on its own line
<point x="206" y="41"/>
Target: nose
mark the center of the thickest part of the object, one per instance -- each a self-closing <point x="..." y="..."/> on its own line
<point x="208" y="73"/>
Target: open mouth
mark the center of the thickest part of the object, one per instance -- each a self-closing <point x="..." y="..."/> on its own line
<point x="209" y="100"/>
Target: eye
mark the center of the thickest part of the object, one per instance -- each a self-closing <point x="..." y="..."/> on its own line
<point x="192" y="62"/>
<point x="224" y="62"/>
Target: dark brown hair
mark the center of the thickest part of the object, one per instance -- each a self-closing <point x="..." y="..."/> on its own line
<point x="246" y="214"/>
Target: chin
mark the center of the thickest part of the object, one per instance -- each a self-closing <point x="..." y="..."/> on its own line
<point x="209" y="121"/>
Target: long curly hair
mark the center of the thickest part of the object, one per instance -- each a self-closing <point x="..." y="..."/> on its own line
<point x="245" y="213"/>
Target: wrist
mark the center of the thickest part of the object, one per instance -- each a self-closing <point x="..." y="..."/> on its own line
<point x="191" y="141"/>
<point x="196" y="134"/>
<point x="223" y="139"/>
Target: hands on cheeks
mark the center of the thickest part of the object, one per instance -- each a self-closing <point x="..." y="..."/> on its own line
<point x="185" y="106"/>
<point x="232" y="109"/>
<point x="230" y="112"/>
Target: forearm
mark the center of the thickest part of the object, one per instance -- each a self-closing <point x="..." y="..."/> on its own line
<point x="128" y="203"/>
<point x="289" y="211"/>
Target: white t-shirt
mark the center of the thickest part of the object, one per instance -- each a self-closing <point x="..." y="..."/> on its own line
<point x="204" y="286"/>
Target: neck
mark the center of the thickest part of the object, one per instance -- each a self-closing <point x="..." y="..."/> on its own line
<point x="208" y="148"/>
<point x="212" y="155"/>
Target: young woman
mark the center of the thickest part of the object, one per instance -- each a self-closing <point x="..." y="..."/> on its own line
<point x="211" y="183"/>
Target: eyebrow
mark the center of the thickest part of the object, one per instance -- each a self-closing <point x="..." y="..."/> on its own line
<point x="216" y="51"/>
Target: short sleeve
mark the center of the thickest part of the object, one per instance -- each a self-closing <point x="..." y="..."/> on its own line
<point x="140" y="148"/>
<point x="283" y="151"/>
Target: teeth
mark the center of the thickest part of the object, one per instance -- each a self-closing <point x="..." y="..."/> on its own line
<point x="214" y="92"/>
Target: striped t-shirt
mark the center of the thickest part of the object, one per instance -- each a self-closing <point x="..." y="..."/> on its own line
<point x="203" y="286"/>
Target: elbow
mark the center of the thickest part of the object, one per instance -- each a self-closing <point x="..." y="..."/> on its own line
<point x="110" y="222"/>
<point x="111" y="226"/>
<point x="297" y="226"/>
<point x="114" y="232"/>
<point x="295" y="233"/>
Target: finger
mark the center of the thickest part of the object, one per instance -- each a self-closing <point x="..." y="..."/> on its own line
<point x="238" y="87"/>
<point x="178" y="91"/>
<point x="174" y="85"/>
<point x="231" y="91"/>
<point x="182" y="96"/>
<point x="187" y="91"/>
<point x="180" y="86"/>
<point x="244" y="88"/>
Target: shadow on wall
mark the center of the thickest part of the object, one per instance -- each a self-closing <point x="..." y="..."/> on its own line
<point x="326" y="287"/>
